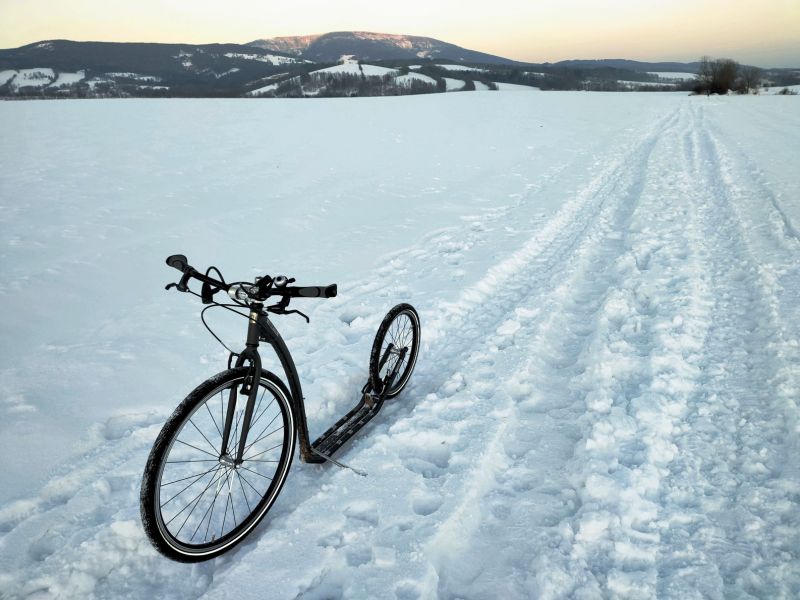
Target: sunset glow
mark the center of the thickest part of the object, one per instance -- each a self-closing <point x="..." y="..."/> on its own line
<point x="763" y="33"/>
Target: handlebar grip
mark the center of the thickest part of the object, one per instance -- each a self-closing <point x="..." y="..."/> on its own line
<point x="178" y="261"/>
<point x="317" y="291"/>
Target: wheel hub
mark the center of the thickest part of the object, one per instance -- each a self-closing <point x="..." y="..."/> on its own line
<point x="227" y="460"/>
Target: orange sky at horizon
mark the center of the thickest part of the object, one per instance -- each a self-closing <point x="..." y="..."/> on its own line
<point x="766" y="33"/>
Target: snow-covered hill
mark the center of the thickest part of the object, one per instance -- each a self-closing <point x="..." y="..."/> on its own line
<point x="371" y="46"/>
<point x="354" y="78"/>
<point x="606" y="398"/>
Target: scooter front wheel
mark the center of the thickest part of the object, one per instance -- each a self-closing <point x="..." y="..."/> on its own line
<point x="196" y="500"/>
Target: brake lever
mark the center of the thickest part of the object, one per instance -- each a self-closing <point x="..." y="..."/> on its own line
<point x="277" y="309"/>
<point x="182" y="285"/>
<point x="305" y="316"/>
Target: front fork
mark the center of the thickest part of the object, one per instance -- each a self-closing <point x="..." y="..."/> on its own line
<point x="249" y="387"/>
<point x="390" y="377"/>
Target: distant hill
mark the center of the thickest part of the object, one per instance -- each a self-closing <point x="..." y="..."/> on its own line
<point x="631" y="65"/>
<point x="367" y="46"/>
<point x="333" y="64"/>
<point x="109" y="68"/>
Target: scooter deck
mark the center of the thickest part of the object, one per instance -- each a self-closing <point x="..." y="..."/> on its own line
<point x="346" y="427"/>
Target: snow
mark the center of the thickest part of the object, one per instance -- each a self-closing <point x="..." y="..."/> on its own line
<point x="408" y="78"/>
<point x="226" y="73"/>
<point x="515" y="87"/>
<point x="481" y="87"/>
<point x="95" y="81"/>
<point x="673" y="75"/>
<point x="40" y="77"/>
<point x="771" y="90"/>
<point x="263" y="90"/>
<point x="460" y="68"/>
<point x="353" y="68"/>
<point x="645" y="83"/>
<point x="68" y="78"/>
<point x="137" y="76"/>
<point x="453" y="85"/>
<point x="606" y="398"/>
<point x="7" y="75"/>
<point x="273" y="59"/>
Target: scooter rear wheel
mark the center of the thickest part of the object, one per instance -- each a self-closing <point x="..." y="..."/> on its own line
<point x="399" y="330"/>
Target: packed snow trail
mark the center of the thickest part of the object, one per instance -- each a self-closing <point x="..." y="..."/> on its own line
<point x="605" y="404"/>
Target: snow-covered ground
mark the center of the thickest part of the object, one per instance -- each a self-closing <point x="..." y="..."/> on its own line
<point x="674" y="75"/>
<point x="644" y="84"/>
<point x="409" y="78"/>
<point x="514" y="87"/>
<point x="460" y="68"/>
<point x="453" y="85"/>
<point x="273" y="59"/>
<point x="352" y="67"/>
<point x="605" y="402"/>
<point x="28" y="77"/>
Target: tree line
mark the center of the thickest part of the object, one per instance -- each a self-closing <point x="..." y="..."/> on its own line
<point x="721" y="75"/>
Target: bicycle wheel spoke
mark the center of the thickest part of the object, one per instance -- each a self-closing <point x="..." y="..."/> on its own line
<point x="235" y="431"/>
<point x="213" y="420"/>
<point x="265" y="436"/>
<point x="189" y="485"/>
<point x="258" y="437"/>
<point x="198" y="449"/>
<point x="200" y="524"/>
<point x="233" y="510"/>
<point x="264" y="452"/>
<point x="213" y="504"/>
<point x="225" y="516"/>
<point x="262" y="413"/>
<point x="239" y="477"/>
<point x="185" y="478"/>
<point x="203" y="434"/>
<point x="260" y="495"/>
<point x="255" y="412"/>
<point x="195" y="508"/>
<point x="196" y="498"/>
<point x="171" y="462"/>
<point x="255" y="472"/>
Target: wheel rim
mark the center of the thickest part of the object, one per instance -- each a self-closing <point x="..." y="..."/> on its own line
<point x="402" y="333"/>
<point x="203" y="501"/>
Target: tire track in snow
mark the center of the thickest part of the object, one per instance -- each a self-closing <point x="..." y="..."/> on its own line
<point x="607" y="374"/>
<point x="431" y="446"/>
<point x="732" y="491"/>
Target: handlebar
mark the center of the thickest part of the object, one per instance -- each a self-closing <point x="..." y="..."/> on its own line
<point x="178" y="261"/>
<point x="263" y="289"/>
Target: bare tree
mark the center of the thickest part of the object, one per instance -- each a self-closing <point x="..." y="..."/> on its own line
<point x="705" y="75"/>
<point x="716" y="76"/>
<point x="749" y="78"/>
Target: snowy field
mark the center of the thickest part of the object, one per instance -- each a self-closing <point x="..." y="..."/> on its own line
<point x="606" y="399"/>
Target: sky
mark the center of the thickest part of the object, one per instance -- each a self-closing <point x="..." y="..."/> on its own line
<point x="760" y="32"/>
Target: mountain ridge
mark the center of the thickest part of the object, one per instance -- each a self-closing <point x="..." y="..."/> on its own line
<point x="301" y="66"/>
<point x="368" y="45"/>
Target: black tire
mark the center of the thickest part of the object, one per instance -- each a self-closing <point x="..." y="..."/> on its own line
<point x="186" y="453"/>
<point x="399" y="327"/>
